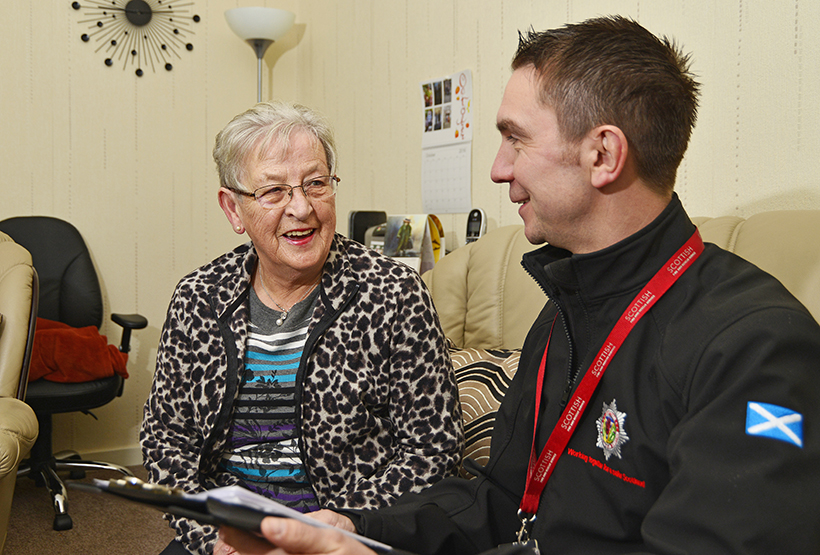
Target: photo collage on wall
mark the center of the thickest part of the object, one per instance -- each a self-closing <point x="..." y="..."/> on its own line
<point x="438" y="110"/>
<point x="447" y="108"/>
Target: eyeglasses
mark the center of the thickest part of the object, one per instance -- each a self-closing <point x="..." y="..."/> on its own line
<point x="279" y="195"/>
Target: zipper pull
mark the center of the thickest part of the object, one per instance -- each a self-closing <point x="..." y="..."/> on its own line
<point x="565" y="396"/>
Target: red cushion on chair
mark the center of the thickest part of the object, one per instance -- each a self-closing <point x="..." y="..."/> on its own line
<point x="70" y="355"/>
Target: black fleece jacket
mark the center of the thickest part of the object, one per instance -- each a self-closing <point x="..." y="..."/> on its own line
<point x="690" y="479"/>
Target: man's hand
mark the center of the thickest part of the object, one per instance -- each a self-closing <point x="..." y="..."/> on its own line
<point x="334" y="519"/>
<point x="221" y="548"/>
<point x="288" y="536"/>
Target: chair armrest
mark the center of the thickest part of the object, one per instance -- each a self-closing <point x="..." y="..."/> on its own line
<point x="18" y="431"/>
<point x="128" y="322"/>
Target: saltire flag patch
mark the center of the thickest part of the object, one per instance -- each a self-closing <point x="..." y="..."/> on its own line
<point x="763" y="419"/>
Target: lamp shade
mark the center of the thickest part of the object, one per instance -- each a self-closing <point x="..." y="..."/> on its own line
<point x="259" y="23"/>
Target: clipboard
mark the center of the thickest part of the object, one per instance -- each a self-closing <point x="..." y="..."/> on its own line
<point x="232" y="505"/>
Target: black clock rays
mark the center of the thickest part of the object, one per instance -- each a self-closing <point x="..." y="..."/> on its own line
<point x="138" y="33"/>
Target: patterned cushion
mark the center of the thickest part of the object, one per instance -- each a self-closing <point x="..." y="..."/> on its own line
<point x="483" y="377"/>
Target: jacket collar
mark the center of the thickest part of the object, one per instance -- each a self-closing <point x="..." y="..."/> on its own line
<point x="622" y="267"/>
<point x="339" y="280"/>
<point x="338" y="277"/>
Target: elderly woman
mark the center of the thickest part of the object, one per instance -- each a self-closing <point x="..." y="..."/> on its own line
<point x="300" y="365"/>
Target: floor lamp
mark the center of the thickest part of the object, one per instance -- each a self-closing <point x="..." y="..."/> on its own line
<point x="259" y="27"/>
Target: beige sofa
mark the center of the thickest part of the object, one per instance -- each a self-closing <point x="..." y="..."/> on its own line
<point x="18" y="424"/>
<point x="486" y="302"/>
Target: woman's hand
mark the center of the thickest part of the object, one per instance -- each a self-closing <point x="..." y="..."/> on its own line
<point x="283" y="536"/>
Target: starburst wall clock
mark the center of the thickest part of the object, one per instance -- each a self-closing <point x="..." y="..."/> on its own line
<point x="138" y="33"/>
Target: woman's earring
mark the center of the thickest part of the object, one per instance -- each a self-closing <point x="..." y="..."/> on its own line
<point x="239" y="229"/>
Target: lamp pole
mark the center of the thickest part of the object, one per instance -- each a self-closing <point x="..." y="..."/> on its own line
<point x="260" y="46"/>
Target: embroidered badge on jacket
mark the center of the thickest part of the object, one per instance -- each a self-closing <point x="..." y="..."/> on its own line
<point x="773" y="421"/>
<point x="611" y="432"/>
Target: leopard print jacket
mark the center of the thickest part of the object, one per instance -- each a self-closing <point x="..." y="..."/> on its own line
<point x="377" y="402"/>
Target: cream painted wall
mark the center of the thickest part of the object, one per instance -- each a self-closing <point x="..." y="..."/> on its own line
<point x="127" y="159"/>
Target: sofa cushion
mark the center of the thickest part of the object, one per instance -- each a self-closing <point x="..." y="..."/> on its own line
<point x="484" y="298"/>
<point x="483" y="377"/>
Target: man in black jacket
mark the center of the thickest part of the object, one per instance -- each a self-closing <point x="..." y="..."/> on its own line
<point x="660" y="397"/>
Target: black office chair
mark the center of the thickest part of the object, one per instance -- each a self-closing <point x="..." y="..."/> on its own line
<point x="69" y="293"/>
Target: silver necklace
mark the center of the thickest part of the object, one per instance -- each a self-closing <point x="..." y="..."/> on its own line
<point x="284" y="316"/>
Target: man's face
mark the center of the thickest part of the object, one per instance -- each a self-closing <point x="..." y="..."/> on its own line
<point x="544" y="171"/>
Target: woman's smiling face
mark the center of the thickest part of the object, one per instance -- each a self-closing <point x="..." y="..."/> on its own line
<point x="294" y="238"/>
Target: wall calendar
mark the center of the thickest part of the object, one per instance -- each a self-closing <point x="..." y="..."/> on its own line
<point x="446" y="143"/>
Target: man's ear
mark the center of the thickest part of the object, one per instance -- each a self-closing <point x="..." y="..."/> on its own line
<point x="610" y="152"/>
<point x="227" y="201"/>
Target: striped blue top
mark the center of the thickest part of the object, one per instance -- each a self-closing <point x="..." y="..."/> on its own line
<point x="263" y="449"/>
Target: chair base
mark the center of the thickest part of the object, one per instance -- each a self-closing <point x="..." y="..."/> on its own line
<point x="46" y="474"/>
<point x="42" y="466"/>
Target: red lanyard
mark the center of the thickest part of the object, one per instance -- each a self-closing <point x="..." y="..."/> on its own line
<point x="539" y="471"/>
